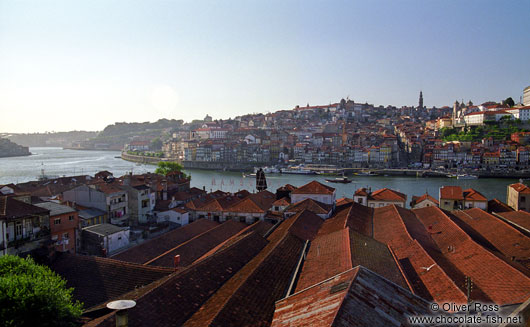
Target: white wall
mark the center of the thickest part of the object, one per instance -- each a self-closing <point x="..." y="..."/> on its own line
<point x="173" y="216"/>
<point x="116" y="241"/>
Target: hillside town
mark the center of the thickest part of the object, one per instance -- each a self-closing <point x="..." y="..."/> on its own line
<point x="289" y="256"/>
<point x="484" y="138"/>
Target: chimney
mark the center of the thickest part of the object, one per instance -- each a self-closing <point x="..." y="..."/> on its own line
<point x="122" y="314"/>
<point x="176" y="261"/>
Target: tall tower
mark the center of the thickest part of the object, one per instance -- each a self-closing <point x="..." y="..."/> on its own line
<point x="421" y="101"/>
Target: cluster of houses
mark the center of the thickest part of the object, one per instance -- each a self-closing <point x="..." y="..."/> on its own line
<point x="301" y="255"/>
<point x="349" y="134"/>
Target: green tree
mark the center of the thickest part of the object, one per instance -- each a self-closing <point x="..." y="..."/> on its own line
<point x="156" y="144"/>
<point x="509" y="102"/>
<point x="33" y="295"/>
<point x="166" y="167"/>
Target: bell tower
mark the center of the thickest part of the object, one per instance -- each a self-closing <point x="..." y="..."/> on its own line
<point x="420" y="104"/>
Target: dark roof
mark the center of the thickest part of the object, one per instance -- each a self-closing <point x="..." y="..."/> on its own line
<point x="314" y="206"/>
<point x="153" y="248"/>
<point x="197" y="246"/>
<point x="248" y="298"/>
<point x="11" y="208"/>
<point x="173" y="300"/>
<point x="357" y="297"/>
<point x="96" y="280"/>
<point x="55" y="208"/>
<point x="91" y="213"/>
<point x="104" y="229"/>
<point x="496" y="205"/>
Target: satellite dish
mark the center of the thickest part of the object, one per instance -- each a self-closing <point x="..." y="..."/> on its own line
<point x="121" y="305"/>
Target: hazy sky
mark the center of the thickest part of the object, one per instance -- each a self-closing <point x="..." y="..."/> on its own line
<point x="82" y="65"/>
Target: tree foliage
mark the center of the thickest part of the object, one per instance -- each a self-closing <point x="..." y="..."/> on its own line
<point x="166" y="167"/>
<point x="33" y="295"/>
<point x="509" y="102"/>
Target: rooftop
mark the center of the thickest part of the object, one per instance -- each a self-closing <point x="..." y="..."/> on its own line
<point x="314" y="187"/>
<point x="350" y="296"/>
<point x="55" y="208"/>
<point x="155" y="247"/>
<point x="104" y="229"/>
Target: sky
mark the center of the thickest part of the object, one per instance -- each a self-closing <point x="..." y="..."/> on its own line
<point x="82" y="65"/>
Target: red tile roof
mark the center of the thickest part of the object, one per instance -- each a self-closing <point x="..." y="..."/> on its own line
<point x="521" y="188"/>
<point x="354" y="215"/>
<point x="153" y="248"/>
<point x="451" y="193"/>
<point x="419" y="199"/>
<point x="504" y="238"/>
<point x="387" y="194"/>
<point x="328" y="256"/>
<point x="314" y="206"/>
<point x="259" y="202"/>
<point x="518" y="218"/>
<point x="460" y="256"/>
<point x="349" y="299"/>
<point x="473" y="195"/>
<point x="343" y="201"/>
<point x="314" y="187"/>
<point x="432" y="283"/>
<point x="283" y="202"/>
<point x="196" y="247"/>
<point x="96" y="280"/>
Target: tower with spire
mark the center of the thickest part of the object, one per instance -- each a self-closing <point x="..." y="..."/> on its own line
<point x="420" y="105"/>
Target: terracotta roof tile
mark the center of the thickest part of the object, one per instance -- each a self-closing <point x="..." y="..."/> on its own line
<point x="311" y="205"/>
<point x="473" y="195"/>
<point x="451" y="193"/>
<point x="494" y="279"/>
<point x="519" y="218"/>
<point x="499" y="235"/>
<point x="349" y="299"/>
<point x="328" y="256"/>
<point x="314" y="187"/>
<point x="521" y="188"/>
<point x="419" y="199"/>
<point x="387" y="194"/>
<point x="433" y="283"/>
<point x="153" y="248"/>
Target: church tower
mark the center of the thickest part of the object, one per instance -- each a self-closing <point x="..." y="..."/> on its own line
<point x="420" y="106"/>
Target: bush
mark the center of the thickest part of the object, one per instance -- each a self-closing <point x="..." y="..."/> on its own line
<point x="33" y="295"/>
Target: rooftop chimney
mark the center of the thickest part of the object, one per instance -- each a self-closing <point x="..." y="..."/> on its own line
<point x="176" y="261"/>
<point x="122" y="307"/>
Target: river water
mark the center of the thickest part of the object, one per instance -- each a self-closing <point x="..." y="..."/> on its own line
<point x="59" y="162"/>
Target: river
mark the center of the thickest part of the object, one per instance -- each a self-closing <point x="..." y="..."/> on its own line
<point x="59" y="162"/>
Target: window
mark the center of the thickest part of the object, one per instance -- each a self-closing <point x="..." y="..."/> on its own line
<point x="70" y="218"/>
<point x="18" y="229"/>
<point x="57" y="221"/>
<point x="65" y="236"/>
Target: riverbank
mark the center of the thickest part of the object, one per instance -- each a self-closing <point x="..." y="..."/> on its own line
<point x="10" y="149"/>
<point x="142" y="159"/>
